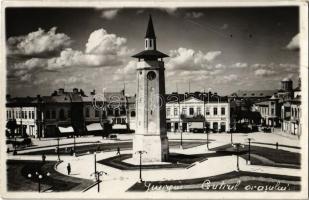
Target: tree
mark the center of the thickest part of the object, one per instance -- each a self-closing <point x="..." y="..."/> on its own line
<point x="11" y="125"/>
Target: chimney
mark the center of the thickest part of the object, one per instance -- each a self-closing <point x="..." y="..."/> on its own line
<point x="93" y="92"/>
<point x="75" y="90"/>
<point x="61" y="91"/>
<point x="55" y="93"/>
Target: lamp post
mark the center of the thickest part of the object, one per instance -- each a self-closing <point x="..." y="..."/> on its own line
<point x="140" y="165"/>
<point x="74" y="143"/>
<point x="249" y="149"/>
<point x="58" y="149"/>
<point x="179" y="126"/>
<point x="97" y="176"/>
<point x="204" y="125"/>
<point x="237" y="146"/>
<point x="21" y="121"/>
<point x="208" y="94"/>
<point x="38" y="176"/>
<point x="95" y="161"/>
<point x="231" y="132"/>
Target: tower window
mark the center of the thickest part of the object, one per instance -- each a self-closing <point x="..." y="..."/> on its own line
<point x="146" y="43"/>
<point x="150" y="43"/>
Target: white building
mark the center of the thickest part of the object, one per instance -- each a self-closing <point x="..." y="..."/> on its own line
<point x="24" y="111"/>
<point x="188" y="113"/>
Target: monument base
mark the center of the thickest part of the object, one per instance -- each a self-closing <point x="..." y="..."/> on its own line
<point x="155" y="147"/>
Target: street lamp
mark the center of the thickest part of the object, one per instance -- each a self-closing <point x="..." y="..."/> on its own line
<point x="204" y="124"/>
<point x="140" y="165"/>
<point x="38" y="176"/>
<point x="97" y="177"/>
<point x="237" y="146"/>
<point x="95" y="162"/>
<point x="249" y="150"/>
<point x="58" y="149"/>
<point x="74" y="143"/>
<point x="179" y="126"/>
<point x="208" y="94"/>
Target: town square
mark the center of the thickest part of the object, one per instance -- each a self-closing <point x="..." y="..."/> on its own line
<point x="175" y="100"/>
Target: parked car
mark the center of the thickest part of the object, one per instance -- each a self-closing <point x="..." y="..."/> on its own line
<point x="113" y="136"/>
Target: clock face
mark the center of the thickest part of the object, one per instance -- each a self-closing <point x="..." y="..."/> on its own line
<point x="151" y="75"/>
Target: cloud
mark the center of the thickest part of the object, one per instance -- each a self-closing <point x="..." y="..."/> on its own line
<point x="224" y="26"/>
<point x="294" y="43"/>
<point x="38" y="43"/>
<point x="264" y="72"/>
<point x="109" y="14"/>
<point x="210" y="56"/>
<point x="170" y="10"/>
<point x="102" y="50"/>
<point x="140" y="11"/>
<point x="220" y="66"/>
<point x="230" y="77"/>
<point x="258" y="65"/>
<point x="240" y="65"/>
<point x="194" y="15"/>
<point x="183" y="58"/>
<point x="101" y="42"/>
<point x="128" y="71"/>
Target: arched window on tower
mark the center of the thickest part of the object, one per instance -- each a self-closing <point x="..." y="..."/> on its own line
<point x="150" y="43"/>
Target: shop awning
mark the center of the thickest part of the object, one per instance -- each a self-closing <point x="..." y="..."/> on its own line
<point x="94" y="127"/>
<point x="68" y="129"/>
<point x="119" y="126"/>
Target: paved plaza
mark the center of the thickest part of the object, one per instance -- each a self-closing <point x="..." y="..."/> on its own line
<point x="82" y="166"/>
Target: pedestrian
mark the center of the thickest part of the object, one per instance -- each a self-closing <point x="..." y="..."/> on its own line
<point x="43" y="158"/>
<point x="118" y="150"/>
<point x="277" y="145"/>
<point x="69" y="168"/>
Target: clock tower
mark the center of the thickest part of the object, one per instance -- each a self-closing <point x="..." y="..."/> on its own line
<point x="150" y="134"/>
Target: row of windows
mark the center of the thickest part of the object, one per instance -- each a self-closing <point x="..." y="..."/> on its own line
<point x="10" y="114"/>
<point x="51" y="114"/>
<point x="110" y="112"/>
<point x="192" y="112"/>
<point x="295" y="112"/>
<point x="265" y="111"/>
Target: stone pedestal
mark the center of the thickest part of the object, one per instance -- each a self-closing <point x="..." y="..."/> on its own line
<point x="155" y="146"/>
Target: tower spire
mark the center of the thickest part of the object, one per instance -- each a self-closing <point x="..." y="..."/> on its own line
<point x="150" y="33"/>
<point x="150" y="51"/>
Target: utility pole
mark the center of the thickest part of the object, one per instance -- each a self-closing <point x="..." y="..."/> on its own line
<point x="179" y="119"/>
<point x="249" y="150"/>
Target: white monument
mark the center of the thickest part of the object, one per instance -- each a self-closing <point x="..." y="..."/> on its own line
<point x="150" y="134"/>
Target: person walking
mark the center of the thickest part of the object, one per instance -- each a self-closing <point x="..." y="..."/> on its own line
<point x="43" y="158"/>
<point x="69" y="168"/>
<point x="118" y="150"/>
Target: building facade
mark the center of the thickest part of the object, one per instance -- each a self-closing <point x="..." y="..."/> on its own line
<point x="24" y="111"/>
<point x="270" y="111"/>
<point x="189" y="112"/>
<point x="65" y="113"/>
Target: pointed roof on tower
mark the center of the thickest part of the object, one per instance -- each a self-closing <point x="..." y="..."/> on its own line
<point x="150" y="33"/>
<point x="150" y="54"/>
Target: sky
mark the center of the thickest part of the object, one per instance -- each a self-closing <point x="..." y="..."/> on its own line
<point x="218" y="49"/>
